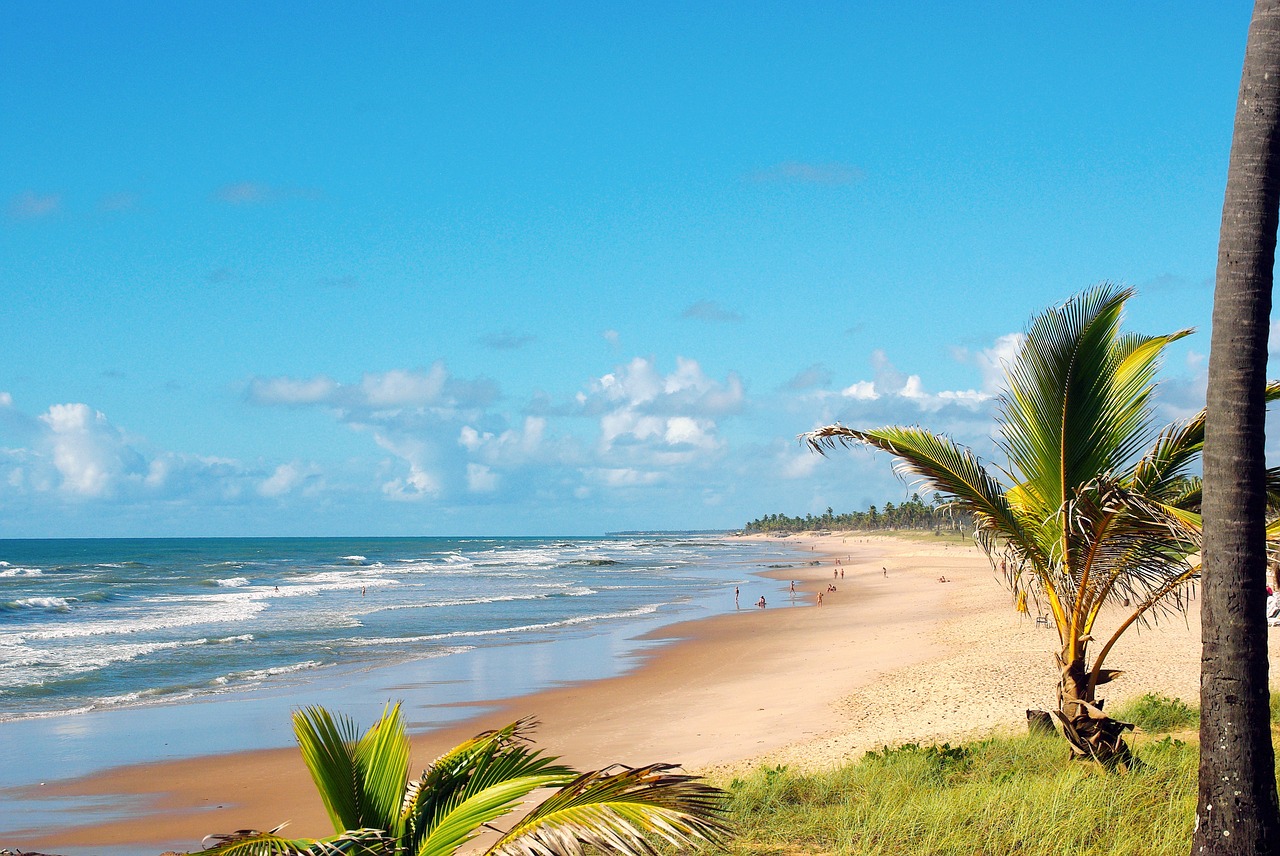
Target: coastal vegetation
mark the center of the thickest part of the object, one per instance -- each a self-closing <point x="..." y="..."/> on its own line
<point x="913" y="515"/>
<point x="999" y="795"/>
<point x="376" y="810"/>
<point x="1093" y="508"/>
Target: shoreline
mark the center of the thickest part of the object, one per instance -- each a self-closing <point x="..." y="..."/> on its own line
<point x="883" y="660"/>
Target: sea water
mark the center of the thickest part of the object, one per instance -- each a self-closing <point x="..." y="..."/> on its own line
<point x="206" y="644"/>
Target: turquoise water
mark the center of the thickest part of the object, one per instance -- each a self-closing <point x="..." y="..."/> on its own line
<point x="88" y="625"/>
<point x="126" y="651"/>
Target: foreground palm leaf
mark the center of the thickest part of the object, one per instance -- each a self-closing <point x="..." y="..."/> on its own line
<point x="1081" y="518"/>
<point x="376" y="811"/>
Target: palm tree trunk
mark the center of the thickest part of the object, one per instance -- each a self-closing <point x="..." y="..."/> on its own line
<point x="1237" y="811"/>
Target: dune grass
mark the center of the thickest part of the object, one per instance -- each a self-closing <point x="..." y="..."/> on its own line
<point x="1007" y="794"/>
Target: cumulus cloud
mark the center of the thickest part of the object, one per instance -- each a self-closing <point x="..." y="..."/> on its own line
<point x="640" y="386"/>
<point x="284" y="479"/>
<point x="799" y="172"/>
<point x="376" y="391"/>
<point x="290" y="391"/>
<point x="481" y="479"/>
<point x="652" y="421"/>
<point x="73" y="452"/>
<point x="88" y="452"/>
<point x="30" y="205"/>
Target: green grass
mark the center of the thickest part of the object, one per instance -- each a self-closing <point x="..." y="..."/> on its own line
<point x="998" y="796"/>
<point x="1155" y="713"/>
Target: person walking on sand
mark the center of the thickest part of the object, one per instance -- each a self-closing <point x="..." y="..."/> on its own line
<point x="793" y="586"/>
<point x="735" y="595"/>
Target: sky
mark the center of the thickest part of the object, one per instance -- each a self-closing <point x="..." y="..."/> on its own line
<point x="558" y="268"/>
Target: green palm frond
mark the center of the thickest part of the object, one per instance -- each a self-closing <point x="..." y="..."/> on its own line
<point x="382" y="757"/>
<point x="615" y="811"/>
<point x="942" y="466"/>
<point x="249" y="842"/>
<point x="465" y="820"/>
<point x="466" y="769"/>
<point x="328" y="744"/>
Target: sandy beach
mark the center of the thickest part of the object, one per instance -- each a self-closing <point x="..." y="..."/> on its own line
<point x="892" y="656"/>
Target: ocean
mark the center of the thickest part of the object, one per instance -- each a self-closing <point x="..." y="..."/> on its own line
<point x="206" y="644"/>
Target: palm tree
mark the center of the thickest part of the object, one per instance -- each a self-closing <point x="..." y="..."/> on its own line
<point x="1080" y="518"/>
<point x="377" y="811"/>
<point x="1237" y="811"/>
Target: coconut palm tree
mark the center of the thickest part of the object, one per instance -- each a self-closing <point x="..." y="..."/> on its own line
<point x="1081" y="518"/>
<point x="376" y="810"/>
<point x="1238" y="810"/>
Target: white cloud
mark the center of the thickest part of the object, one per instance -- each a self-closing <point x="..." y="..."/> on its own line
<point x="481" y="479"/>
<point x="290" y="391"/>
<point x="88" y="452"/>
<point x="623" y="476"/>
<point x="284" y="479"/>
<point x="377" y="393"/>
<point x="800" y="466"/>
<point x="863" y="390"/>
<point x="399" y="388"/>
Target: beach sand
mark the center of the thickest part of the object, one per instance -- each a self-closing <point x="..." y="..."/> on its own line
<point x="885" y="659"/>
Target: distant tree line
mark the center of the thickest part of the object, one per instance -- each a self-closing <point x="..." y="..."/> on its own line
<point x="912" y="514"/>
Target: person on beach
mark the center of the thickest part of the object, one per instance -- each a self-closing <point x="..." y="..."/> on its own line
<point x="793" y="586"/>
<point x="819" y="598"/>
<point x="835" y="575"/>
<point x="886" y="570"/>
<point x="760" y="603"/>
<point x="735" y="596"/>
<point x="842" y="573"/>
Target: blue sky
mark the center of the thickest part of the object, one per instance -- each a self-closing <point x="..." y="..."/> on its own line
<point x="565" y="268"/>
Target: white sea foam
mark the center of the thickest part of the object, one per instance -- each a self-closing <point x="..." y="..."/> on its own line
<point x="549" y="625"/>
<point x="24" y="666"/>
<point x="55" y="604"/>
<point x="233" y="582"/>
<point x="258" y="675"/>
<point x="10" y="571"/>
<point x="353" y="558"/>
<point x="158" y="613"/>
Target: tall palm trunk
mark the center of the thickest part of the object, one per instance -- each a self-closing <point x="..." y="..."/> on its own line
<point x="1237" y="811"/>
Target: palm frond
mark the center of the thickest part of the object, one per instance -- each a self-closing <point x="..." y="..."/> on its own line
<point x="464" y="821"/>
<point x="940" y="465"/>
<point x="249" y="842"/>
<point x="328" y="744"/>
<point x="382" y="758"/>
<point x="615" y="811"/>
<point x="470" y="767"/>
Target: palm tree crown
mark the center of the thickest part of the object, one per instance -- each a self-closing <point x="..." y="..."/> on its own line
<point x="1094" y="507"/>
<point x="364" y="783"/>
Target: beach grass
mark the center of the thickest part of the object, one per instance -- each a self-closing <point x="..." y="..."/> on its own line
<point x="1005" y="794"/>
